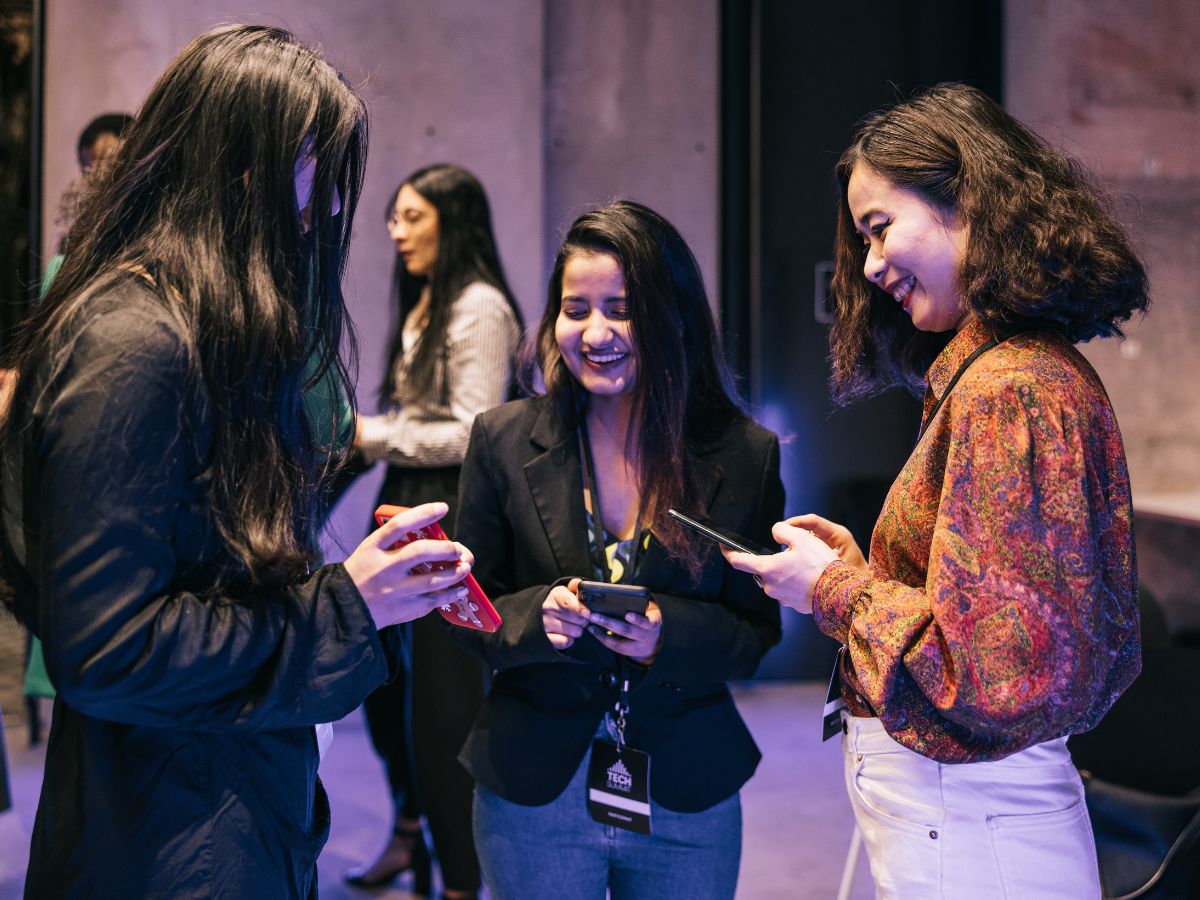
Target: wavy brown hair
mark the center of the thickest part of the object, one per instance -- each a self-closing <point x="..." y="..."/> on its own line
<point x="683" y="396"/>
<point x="1044" y="249"/>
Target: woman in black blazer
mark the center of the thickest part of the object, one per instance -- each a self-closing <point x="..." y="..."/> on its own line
<point x="637" y="417"/>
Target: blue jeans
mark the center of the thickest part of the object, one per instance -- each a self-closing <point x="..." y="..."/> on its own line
<point x="558" y="851"/>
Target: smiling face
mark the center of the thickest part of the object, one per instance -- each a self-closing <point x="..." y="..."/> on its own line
<point x="913" y="250"/>
<point x="593" y="330"/>
<point x="413" y="225"/>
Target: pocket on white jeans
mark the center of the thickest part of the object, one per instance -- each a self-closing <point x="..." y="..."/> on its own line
<point x="900" y="788"/>
<point x="1046" y="856"/>
<point x="900" y="828"/>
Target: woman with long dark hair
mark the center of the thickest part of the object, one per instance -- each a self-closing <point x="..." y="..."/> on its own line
<point x="451" y="358"/>
<point x="998" y="613"/>
<point x="638" y="417"/>
<point x="162" y="476"/>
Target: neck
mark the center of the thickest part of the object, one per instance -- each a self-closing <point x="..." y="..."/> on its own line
<point x="610" y="415"/>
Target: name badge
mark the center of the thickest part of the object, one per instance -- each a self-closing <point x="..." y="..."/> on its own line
<point x="831" y="722"/>
<point x="619" y="787"/>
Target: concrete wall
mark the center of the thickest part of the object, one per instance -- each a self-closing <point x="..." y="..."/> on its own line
<point x="632" y="95"/>
<point x="1116" y="83"/>
<point x="556" y="105"/>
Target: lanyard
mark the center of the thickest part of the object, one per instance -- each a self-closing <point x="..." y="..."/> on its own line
<point x="597" y="530"/>
<point x="621" y="707"/>
<point x="966" y="364"/>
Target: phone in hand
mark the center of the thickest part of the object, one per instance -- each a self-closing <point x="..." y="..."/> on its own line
<point x="726" y="537"/>
<point x="613" y="599"/>
<point x="475" y="610"/>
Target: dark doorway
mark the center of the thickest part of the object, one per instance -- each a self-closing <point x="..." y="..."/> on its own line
<point x="19" y="64"/>
<point x="796" y="77"/>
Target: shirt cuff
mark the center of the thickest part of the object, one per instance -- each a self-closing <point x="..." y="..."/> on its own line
<point x="373" y="434"/>
<point x="833" y="598"/>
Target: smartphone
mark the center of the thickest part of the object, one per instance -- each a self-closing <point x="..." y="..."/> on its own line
<point x="613" y="599"/>
<point x="719" y="533"/>
<point x="475" y="610"/>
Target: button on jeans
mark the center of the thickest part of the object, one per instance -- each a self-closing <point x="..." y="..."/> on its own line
<point x="558" y="851"/>
<point x="1011" y="829"/>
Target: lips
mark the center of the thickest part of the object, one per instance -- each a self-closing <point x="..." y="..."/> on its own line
<point x="604" y="359"/>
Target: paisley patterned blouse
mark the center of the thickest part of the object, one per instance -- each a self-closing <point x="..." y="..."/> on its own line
<point x="1000" y="608"/>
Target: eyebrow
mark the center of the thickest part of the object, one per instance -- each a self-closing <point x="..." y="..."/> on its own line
<point x="862" y="220"/>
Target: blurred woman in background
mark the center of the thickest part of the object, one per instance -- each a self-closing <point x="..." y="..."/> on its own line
<point x="451" y="358"/>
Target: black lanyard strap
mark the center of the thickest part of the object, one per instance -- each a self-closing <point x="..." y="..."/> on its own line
<point x="597" y="530"/>
<point x="621" y="707"/>
<point x="589" y="485"/>
<point x="966" y="364"/>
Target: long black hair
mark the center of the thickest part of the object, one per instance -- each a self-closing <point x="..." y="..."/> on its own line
<point x="200" y="199"/>
<point x="1044" y="249"/>
<point x="466" y="252"/>
<point x="683" y="396"/>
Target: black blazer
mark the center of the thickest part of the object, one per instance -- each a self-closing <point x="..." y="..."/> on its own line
<point x="521" y="512"/>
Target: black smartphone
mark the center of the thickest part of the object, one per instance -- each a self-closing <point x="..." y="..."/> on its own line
<point x="613" y="599"/>
<point x="725" y="536"/>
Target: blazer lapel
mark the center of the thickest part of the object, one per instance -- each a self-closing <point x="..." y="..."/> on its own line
<point x="555" y="479"/>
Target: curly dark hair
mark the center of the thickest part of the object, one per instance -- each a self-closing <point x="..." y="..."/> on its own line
<point x="1044" y="251"/>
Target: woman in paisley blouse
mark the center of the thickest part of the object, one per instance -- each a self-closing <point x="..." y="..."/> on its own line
<point x="998" y="612"/>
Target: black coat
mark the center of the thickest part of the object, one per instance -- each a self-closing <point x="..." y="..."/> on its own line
<point x="521" y="513"/>
<point x="181" y="760"/>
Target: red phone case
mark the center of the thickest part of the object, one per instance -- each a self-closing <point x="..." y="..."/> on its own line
<point x="483" y="617"/>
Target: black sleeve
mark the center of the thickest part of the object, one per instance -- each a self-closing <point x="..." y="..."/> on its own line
<point x="112" y="482"/>
<point x="485" y="529"/>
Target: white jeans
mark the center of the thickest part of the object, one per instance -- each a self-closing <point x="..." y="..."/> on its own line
<point x="1012" y="829"/>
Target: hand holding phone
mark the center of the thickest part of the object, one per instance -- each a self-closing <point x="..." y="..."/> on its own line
<point x="472" y="610"/>
<point x="790" y="575"/>
<point x="613" y="600"/>
<point x="564" y="617"/>
<point x="386" y="579"/>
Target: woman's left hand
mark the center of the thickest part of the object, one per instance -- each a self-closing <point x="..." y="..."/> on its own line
<point x="788" y="576"/>
<point x="636" y="636"/>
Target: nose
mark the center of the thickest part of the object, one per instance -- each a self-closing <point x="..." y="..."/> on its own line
<point x="394" y="227"/>
<point x="874" y="266"/>
<point x="597" y="330"/>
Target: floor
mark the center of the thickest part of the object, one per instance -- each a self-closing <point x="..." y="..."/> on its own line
<point x="797" y="820"/>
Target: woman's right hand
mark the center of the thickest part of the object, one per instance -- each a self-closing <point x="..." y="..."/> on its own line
<point x="563" y="616"/>
<point x="811" y="545"/>
<point x="383" y="573"/>
<point x="837" y="537"/>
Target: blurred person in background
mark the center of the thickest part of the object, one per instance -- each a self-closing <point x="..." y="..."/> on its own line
<point x="451" y="358"/>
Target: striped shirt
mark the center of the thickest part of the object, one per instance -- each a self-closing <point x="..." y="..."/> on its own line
<point x="473" y="373"/>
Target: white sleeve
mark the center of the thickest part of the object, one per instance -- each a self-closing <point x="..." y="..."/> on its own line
<point x="482" y="341"/>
